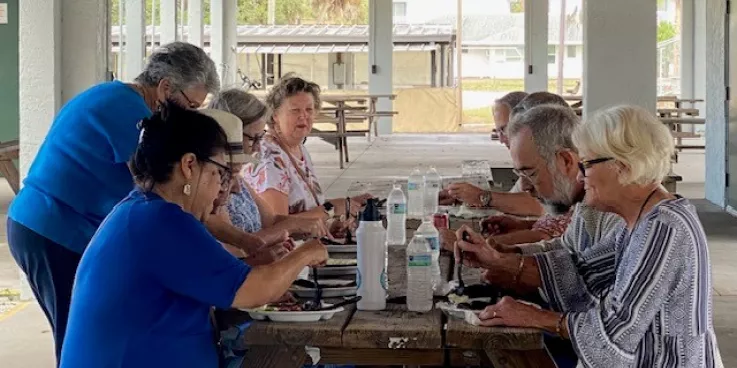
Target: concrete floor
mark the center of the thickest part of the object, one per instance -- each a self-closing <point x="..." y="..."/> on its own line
<point x="25" y="340"/>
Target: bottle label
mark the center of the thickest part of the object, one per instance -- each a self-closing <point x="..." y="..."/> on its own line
<point x="383" y="280"/>
<point x="434" y="243"/>
<point x="420" y="260"/>
<point x="413" y="186"/>
<point x="435" y="186"/>
<point x="399" y="209"/>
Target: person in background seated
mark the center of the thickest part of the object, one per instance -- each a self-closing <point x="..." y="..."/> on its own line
<point x="642" y="296"/>
<point x="285" y="176"/>
<point x="246" y="209"/>
<point x="152" y="271"/>
<point x="81" y="171"/>
<point x="516" y="201"/>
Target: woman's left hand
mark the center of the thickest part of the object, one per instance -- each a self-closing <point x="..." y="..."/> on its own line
<point x="512" y="313"/>
<point x="339" y="229"/>
<point x="361" y="199"/>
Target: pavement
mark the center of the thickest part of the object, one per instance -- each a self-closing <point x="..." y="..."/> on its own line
<point x="25" y="338"/>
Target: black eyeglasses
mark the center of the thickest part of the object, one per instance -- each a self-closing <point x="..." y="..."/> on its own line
<point x="192" y="104"/>
<point x="583" y="165"/>
<point x="255" y="139"/>
<point x="225" y="172"/>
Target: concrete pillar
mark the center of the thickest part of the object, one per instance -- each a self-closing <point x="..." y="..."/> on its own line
<point x="536" y="45"/>
<point x="716" y="107"/>
<point x="699" y="49"/>
<point x="135" y="41"/>
<point x="195" y="23"/>
<point x="380" y="62"/>
<point x="57" y="61"/>
<point x="620" y="54"/>
<point x="168" y="28"/>
<point x="223" y="42"/>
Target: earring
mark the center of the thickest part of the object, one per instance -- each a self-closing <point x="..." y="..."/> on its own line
<point x="187" y="189"/>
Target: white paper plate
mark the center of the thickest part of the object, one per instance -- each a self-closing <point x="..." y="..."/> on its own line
<point x="334" y="292"/>
<point x="289" y="316"/>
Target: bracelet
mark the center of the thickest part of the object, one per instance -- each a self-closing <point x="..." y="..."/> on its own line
<point x="516" y="278"/>
<point x="559" y="325"/>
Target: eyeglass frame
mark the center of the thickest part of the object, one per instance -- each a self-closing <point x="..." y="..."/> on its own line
<point x="585" y="164"/>
<point x="226" y="173"/>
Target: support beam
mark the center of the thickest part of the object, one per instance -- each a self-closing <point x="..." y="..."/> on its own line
<point x="610" y="78"/>
<point x="536" y="45"/>
<point x="433" y="68"/>
<point x="169" y="14"/>
<point x="381" y="53"/>
<point x="57" y="60"/>
<point x="716" y="107"/>
<point x="223" y="42"/>
<point x="443" y="67"/>
<point x="196" y="15"/>
<point x="135" y="41"/>
<point x="699" y="48"/>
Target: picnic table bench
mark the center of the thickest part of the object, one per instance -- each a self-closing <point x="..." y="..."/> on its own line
<point x="8" y="154"/>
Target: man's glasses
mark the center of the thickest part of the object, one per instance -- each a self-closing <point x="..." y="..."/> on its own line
<point x="191" y="104"/>
<point x="585" y="164"/>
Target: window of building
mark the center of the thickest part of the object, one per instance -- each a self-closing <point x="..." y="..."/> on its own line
<point x="571" y="51"/>
<point x="400" y="9"/>
<point x="551" y="54"/>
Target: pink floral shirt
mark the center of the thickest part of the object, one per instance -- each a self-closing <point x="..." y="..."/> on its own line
<point x="275" y="171"/>
<point x="553" y="225"/>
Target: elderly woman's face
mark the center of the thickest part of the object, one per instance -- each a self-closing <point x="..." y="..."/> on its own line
<point x="294" y="118"/>
<point x="600" y="180"/>
<point x="252" y="135"/>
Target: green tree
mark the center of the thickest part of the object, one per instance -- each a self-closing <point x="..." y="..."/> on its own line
<point x="666" y="31"/>
<point x="517" y="6"/>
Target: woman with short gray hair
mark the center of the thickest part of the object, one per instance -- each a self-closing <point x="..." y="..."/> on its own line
<point x="81" y="170"/>
<point x="651" y="280"/>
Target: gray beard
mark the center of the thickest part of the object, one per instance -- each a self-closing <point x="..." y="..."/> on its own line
<point x="563" y="196"/>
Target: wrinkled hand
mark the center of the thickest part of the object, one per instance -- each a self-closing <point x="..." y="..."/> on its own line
<point x="361" y="199"/>
<point x="512" y="313"/>
<point x="286" y="298"/>
<point x="498" y="225"/>
<point x="448" y="239"/>
<point x="339" y="205"/>
<point x="445" y="199"/>
<point x="310" y="227"/>
<point x="477" y="253"/>
<point x="339" y="229"/>
<point x="466" y="193"/>
<point x="317" y="253"/>
<point x="267" y="255"/>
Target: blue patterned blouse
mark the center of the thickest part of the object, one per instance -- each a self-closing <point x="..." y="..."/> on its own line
<point x="243" y="210"/>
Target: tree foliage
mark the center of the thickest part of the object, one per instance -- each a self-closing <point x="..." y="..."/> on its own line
<point x="666" y="31"/>
<point x="286" y="11"/>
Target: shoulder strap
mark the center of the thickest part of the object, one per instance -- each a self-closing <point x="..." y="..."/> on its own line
<point x="299" y="170"/>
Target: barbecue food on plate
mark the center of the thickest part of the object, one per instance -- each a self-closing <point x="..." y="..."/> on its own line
<point x="283" y="307"/>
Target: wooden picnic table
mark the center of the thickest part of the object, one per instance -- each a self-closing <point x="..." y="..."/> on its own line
<point x="8" y="154"/>
<point x="394" y="336"/>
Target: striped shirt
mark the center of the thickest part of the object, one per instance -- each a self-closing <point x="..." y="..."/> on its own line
<point x="648" y="293"/>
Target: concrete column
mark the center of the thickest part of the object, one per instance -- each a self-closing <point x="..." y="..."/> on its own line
<point x="135" y="41"/>
<point x="536" y="45"/>
<point x="699" y="49"/>
<point x="620" y="55"/>
<point x="716" y="107"/>
<point x="57" y="60"/>
<point x="223" y="42"/>
<point x="195" y="23"/>
<point x="380" y="62"/>
<point x="687" y="55"/>
<point x="169" y="13"/>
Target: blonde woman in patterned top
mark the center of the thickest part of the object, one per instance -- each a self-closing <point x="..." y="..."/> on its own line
<point x="285" y="175"/>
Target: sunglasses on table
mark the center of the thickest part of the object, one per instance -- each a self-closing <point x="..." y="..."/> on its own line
<point x="585" y="164"/>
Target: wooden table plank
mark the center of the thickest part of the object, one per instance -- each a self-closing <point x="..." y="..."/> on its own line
<point x="382" y="357"/>
<point x="460" y="334"/>
<point x="394" y="328"/>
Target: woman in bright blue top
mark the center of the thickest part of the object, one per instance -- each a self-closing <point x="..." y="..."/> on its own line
<point x="152" y="271"/>
<point x="81" y="170"/>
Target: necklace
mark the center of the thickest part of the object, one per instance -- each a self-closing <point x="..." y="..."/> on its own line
<point x="642" y="208"/>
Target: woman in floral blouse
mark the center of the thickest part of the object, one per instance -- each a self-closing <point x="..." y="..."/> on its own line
<point x="285" y="176"/>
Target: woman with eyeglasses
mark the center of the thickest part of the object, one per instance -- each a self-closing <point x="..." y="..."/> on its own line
<point x="152" y="271"/>
<point x="246" y="209"/>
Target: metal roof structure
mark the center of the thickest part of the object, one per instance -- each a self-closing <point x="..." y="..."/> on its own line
<point x="318" y="34"/>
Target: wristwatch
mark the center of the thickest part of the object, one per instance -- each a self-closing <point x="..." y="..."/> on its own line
<point x="329" y="209"/>
<point x="485" y="199"/>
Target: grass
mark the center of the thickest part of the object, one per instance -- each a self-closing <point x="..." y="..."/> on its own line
<point x="508" y="85"/>
<point x="481" y="115"/>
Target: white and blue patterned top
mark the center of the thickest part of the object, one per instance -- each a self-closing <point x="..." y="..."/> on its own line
<point x="243" y="210"/>
<point x="640" y="298"/>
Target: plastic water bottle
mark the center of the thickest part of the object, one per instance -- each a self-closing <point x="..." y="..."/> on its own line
<point x="396" y="217"/>
<point x="415" y="194"/>
<point x="429" y="232"/>
<point x="371" y="257"/>
<point x="432" y="190"/>
<point x="419" y="269"/>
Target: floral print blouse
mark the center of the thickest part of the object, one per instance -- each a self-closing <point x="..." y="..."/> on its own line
<point x="243" y="210"/>
<point x="276" y="171"/>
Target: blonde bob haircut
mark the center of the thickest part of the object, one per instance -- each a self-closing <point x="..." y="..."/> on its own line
<point x="632" y="136"/>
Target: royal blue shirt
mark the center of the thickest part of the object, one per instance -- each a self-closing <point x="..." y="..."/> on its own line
<point x="144" y="288"/>
<point x="80" y="171"/>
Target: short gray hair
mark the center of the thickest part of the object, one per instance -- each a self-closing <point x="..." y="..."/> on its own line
<point x="512" y="99"/>
<point x="537" y="99"/>
<point x="288" y="87"/>
<point x="240" y="103"/>
<point x="551" y="126"/>
<point x="631" y="135"/>
<point x="184" y="65"/>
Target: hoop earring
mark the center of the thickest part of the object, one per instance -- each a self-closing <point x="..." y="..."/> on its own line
<point x="187" y="190"/>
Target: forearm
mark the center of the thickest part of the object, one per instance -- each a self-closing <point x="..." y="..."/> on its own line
<point x="226" y="233"/>
<point x="520" y="204"/>
<point x="265" y="284"/>
<point x="521" y="237"/>
<point x="551" y="322"/>
<point x="507" y="273"/>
